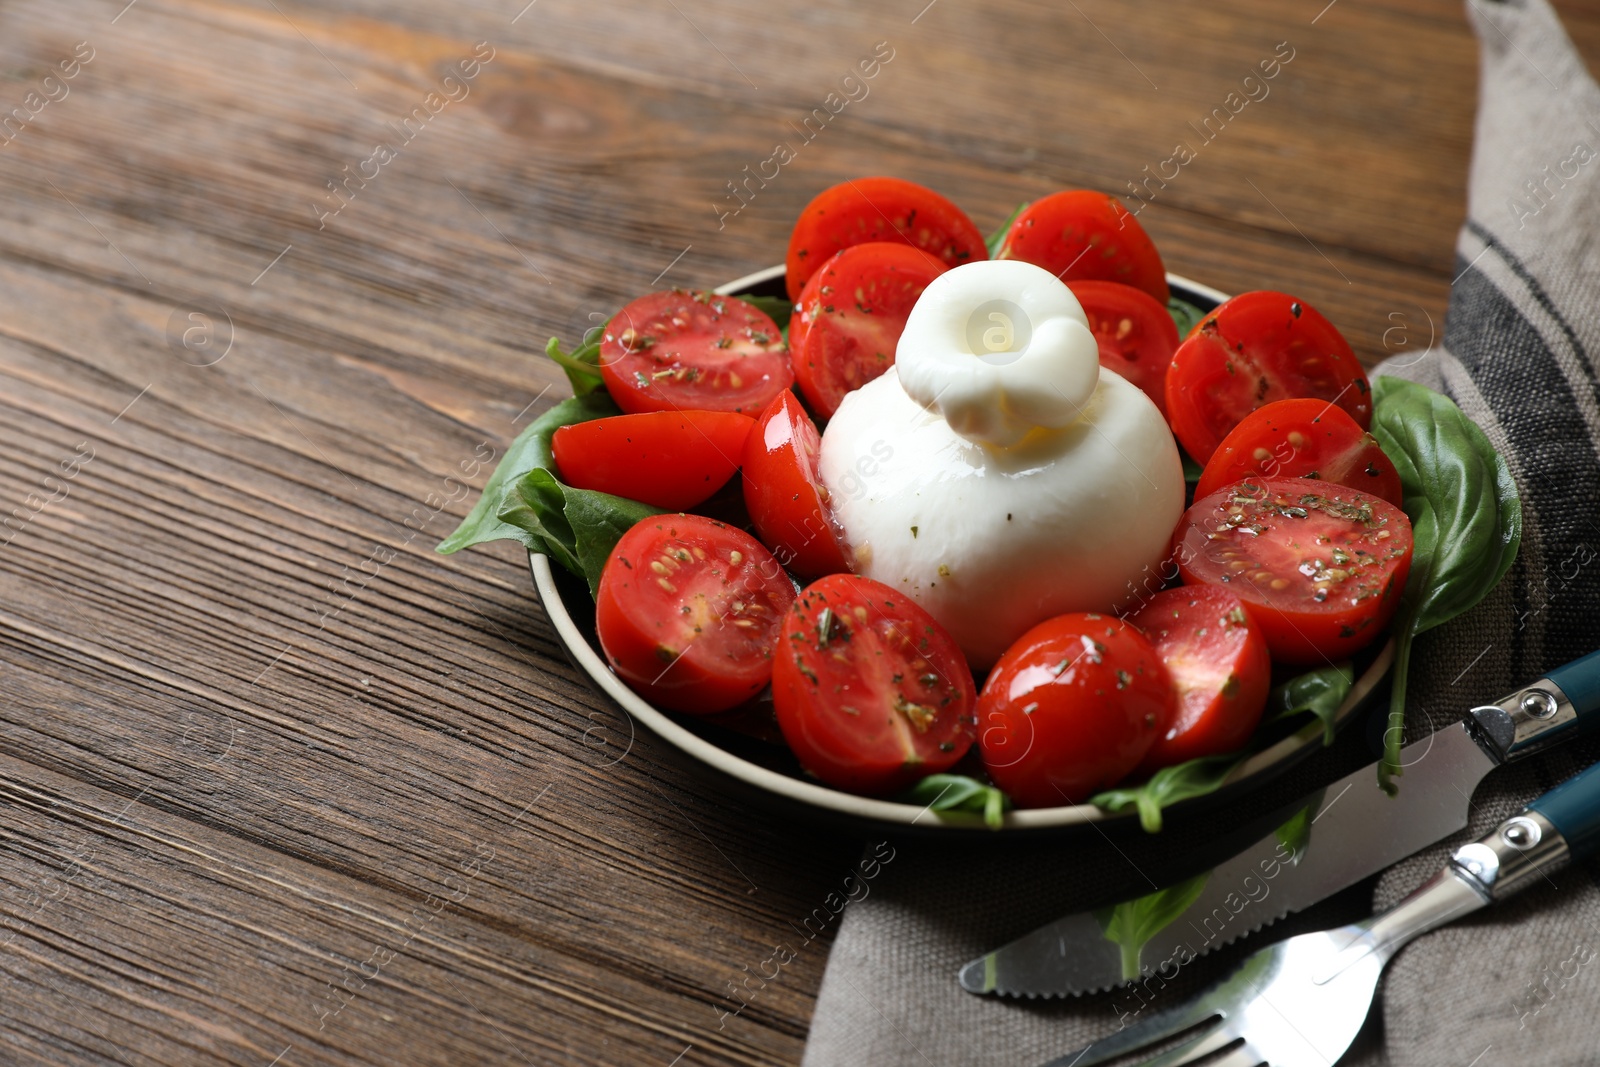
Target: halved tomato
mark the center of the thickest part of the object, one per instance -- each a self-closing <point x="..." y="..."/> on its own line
<point x="1302" y="439"/>
<point x="1319" y="567"/>
<point x="667" y="459"/>
<point x="871" y="693"/>
<point x="1071" y="708"/>
<point x="1221" y="672"/>
<point x="1136" y="335"/>
<point x="690" y="350"/>
<point x="849" y="317"/>
<point x="688" y="612"/>
<point x="1250" y="351"/>
<point x="787" y="503"/>
<point x="1083" y="235"/>
<point x="878" y="209"/>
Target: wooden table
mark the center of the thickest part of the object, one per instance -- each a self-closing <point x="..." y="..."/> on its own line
<point x="282" y="785"/>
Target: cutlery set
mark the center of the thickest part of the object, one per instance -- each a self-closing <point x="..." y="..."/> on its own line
<point x="1303" y="1000"/>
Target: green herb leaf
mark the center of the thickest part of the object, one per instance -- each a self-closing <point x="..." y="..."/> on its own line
<point x="1295" y="834"/>
<point x="1168" y="786"/>
<point x="1466" y="522"/>
<point x="581" y="364"/>
<point x="1133" y="923"/>
<point x="531" y="449"/>
<point x="1192" y="468"/>
<point x="578" y="527"/>
<point x="776" y="308"/>
<point x="1320" y="692"/>
<point x="998" y="237"/>
<point x="1184" y="314"/>
<point x="957" y="792"/>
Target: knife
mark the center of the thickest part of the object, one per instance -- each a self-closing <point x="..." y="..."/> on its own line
<point x="1358" y="830"/>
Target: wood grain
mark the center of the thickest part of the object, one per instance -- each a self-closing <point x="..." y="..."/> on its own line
<point x="249" y="721"/>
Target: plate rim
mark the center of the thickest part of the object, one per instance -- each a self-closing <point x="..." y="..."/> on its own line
<point x="893" y="812"/>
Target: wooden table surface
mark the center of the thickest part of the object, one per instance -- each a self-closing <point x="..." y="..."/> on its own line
<point x="283" y="786"/>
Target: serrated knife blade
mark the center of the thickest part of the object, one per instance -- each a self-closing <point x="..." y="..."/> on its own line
<point x="1352" y="829"/>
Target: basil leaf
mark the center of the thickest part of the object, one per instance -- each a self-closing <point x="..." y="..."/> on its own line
<point x="957" y="792"/>
<point x="1168" y="786"/>
<point x="531" y="449"/>
<point x="1295" y="834"/>
<point x="578" y="527"/>
<point x="1192" y="468"/>
<point x="996" y="239"/>
<point x="1184" y="315"/>
<point x="1320" y="692"/>
<point x="776" y="308"/>
<point x="581" y="364"/>
<point x="1133" y="923"/>
<point x="1466" y="522"/>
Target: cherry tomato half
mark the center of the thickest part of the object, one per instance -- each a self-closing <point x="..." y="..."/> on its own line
<point x="689" y="350"/>
<point x="1136" y="335"/>
<point x="1319" y="567"/>
<point x="688" y="612"/>
<point x="787" y="503"/>
<point x="667" y="459"/>
<point x="1071" y="708"/>
<point x="849" y="317"/>
<point x="1083" y="235"/>
<point x="878" y="209"/>
<point x="1221" y="672"/>
<point x="1249" y="351"/>
<point x="1302" y="439"/>
<point x="871" y="693"/>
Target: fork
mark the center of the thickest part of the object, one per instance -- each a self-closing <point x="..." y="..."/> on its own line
<point x="1301" y="1002"/>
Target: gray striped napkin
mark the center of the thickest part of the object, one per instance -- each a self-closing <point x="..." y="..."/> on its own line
<point x="1518" y="983"/>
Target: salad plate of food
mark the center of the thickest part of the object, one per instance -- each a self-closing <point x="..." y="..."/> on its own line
<point x="932" y="532"/>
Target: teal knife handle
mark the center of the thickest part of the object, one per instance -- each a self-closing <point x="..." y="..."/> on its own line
<point x="1562" y="705"/>
<point x="1580" y="681"/>
<point x="1573" y="808"/>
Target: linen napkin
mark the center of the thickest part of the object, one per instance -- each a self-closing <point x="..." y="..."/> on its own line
<point x="1517" y="983"/>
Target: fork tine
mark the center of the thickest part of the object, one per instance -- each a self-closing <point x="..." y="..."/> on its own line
<point x="1158" y="1027"/>
<point x="1243" y="1056"/>
<point x="1198" y="1048"/>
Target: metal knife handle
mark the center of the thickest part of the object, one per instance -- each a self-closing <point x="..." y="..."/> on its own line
<point x="1558" y="707"/>
<point x="1560" y="827"/>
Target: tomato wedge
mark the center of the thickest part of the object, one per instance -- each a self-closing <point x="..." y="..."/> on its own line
<point x="1221" y="672"/>
<point x="1071" y="708"/>
<point x="667" y="459"/>
<point x="1249" y="351"/>
<point x="690" y="350"/>
<point x="1319" y="567"/>
<point x="871" y="693"/>
<point x="1302" y="439"/>
<point x="1136" y="335"/>
<point x="878" y="209"/>
<point x="787" y="503"/>
<point x="849" y="317"/>
<point x="689" y="610"/>
<point x="1083" y="235"/>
